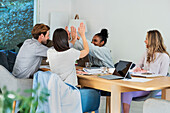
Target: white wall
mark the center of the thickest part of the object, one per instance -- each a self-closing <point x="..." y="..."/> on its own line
<point x="127" y="21"/>
<point x="47" y="6"/>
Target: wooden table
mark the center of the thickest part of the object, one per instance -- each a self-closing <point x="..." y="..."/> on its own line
<point x="116" y="87"/>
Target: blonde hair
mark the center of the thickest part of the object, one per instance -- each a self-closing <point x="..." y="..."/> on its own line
<point x="155" y="44"/>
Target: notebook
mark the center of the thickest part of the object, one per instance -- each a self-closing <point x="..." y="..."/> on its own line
<point x="145" y="75"/>
<point x="120" y="72"/>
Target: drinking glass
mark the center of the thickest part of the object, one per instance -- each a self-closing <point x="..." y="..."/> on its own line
<point x="104" y="69"/>
<point x="87" y="64"/>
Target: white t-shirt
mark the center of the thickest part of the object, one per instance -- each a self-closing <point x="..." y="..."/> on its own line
<point x="63" y="64"/>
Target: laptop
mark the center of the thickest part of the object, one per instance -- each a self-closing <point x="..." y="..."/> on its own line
<point x="120" y="72"/>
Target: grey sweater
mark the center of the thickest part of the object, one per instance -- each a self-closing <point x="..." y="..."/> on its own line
<point x="99" y="56"/>
<point x="29" y="58"/>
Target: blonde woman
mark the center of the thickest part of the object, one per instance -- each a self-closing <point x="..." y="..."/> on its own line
<point x="156" y="60"/>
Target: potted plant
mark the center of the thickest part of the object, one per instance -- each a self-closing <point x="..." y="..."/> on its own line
<point x="26" y="104"/>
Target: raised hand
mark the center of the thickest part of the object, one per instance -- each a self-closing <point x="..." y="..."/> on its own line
<point x="73" y="33"/>
<point x="81" y="29"/>
<point x="66" y="28"/>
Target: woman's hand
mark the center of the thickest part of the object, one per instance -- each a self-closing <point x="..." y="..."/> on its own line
<point x="73" y="33"/>
<point x="137" y="69"/>
<point x="81" y="30"/>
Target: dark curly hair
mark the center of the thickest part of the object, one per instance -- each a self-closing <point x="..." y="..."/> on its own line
<point x="103" y="35"/>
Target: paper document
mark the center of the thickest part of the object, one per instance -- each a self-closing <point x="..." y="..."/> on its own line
<point x="81" y="72"/>
<point x="137" y="80"/>
<point x="144" y="74"/>
<point x="93" y="71"/>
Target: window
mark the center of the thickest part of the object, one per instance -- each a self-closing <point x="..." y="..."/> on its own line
<point x="16" y="22"/>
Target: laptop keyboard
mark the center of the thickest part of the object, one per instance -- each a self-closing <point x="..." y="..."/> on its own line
<point x="111" y="77"/>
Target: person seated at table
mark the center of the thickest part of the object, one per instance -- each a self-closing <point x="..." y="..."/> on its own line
<point x="62" y="58"/>
<point x="155" y="60"/>
<point x="99" y="54"/>
<point x="32" y="51"/>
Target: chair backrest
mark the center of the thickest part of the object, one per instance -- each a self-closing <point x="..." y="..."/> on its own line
<point x="12" y="83"/>
<point x="90" y="99"/>
<point x="156" y="106"/>
<point x="7" y="59"/>
<point x="3" y="59"/>
<point x="6" y="79"/>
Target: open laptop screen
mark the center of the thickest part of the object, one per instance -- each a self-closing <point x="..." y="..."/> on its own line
<point x="122" y="68"/>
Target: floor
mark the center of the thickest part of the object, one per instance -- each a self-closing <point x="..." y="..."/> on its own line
<point x="136" y="106"/>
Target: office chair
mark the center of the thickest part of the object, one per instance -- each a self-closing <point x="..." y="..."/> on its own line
<point x="90" y="99"/>
<point x="156" y="106"/>
<point x="13" y="84"/>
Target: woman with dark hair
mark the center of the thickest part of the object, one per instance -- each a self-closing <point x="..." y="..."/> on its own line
<point x="99" y="54"/>
<point x="155" y="60"/>
<point x="100" y="39"/>
<point x="62" y="58"/>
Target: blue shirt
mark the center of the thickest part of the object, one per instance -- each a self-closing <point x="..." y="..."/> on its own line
<point x="99" y="56"/>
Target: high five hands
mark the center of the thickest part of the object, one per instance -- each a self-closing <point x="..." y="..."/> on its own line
<point x="81" y="31"/>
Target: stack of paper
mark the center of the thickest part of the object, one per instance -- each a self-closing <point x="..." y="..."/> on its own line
<point x="138" y="80"/>
<point x="93" y="71"/>
<point x="144" y="74"/>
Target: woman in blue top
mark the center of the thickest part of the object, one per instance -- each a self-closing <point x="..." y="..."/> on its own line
<point x="99" y="54"/>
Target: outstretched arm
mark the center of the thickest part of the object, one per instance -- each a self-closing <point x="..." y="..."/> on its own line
<point x="81" y="31"/>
